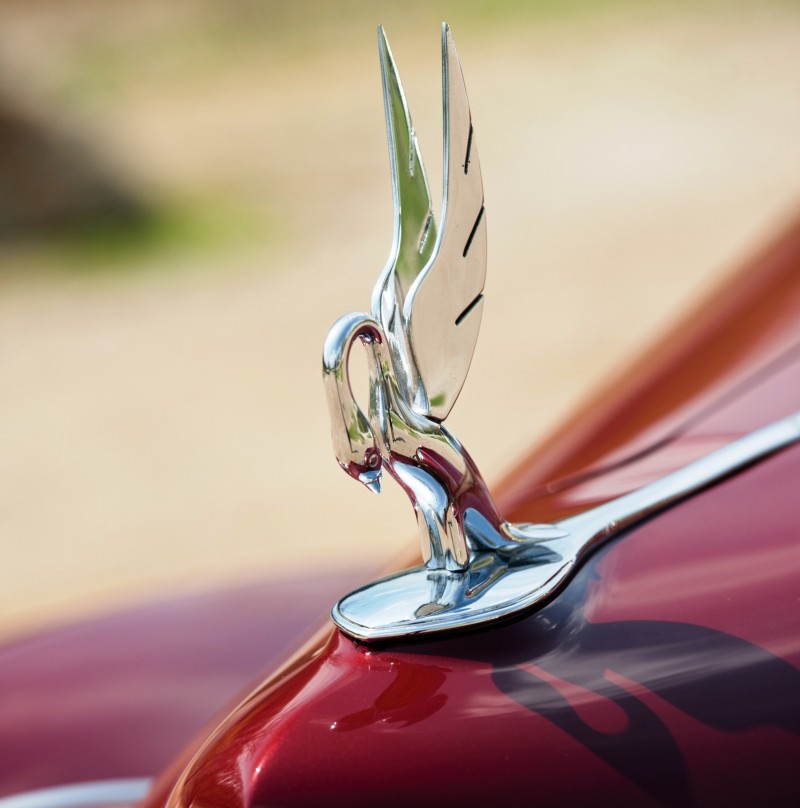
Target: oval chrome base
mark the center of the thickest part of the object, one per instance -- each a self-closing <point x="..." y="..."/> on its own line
<point x="422" y="601"/>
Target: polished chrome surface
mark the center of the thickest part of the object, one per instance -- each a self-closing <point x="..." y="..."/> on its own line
<point x="418" y="343"/>
<point x="127" y="791"/>
<point x="444" y="306"/>
<point x="429" y="298"/>
<point x="502" y="583"/>
<point x="454" y="510"/>
<point x="415" y="231"/>
<point x="421" y="334"/>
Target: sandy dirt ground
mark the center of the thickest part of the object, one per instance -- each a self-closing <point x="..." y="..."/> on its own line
<point x="165" y="429"/>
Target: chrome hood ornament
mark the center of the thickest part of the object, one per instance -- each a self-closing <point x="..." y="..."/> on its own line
<point x="421" y="334"/>
<point x="419" y="339"/>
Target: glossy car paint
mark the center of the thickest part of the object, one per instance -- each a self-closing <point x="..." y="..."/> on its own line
<point x="668" y="671"/>
<point x="743" y="330"/>
<point x="120" y="695"/>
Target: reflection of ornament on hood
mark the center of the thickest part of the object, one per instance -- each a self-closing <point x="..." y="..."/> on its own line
<point x="419" y="340"/>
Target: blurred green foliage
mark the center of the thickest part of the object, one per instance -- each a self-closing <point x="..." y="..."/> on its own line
<point x="147" y="48"/>
<point x="190" y="228"/>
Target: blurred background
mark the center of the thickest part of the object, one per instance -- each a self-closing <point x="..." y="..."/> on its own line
<point x="192" y="192"/>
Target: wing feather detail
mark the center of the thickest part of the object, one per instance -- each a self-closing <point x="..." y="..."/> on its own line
<point x="415" y="234"/>
<point x="443" y="307"/>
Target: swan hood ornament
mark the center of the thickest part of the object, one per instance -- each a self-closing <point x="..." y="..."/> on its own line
<point x="419" y="340"/>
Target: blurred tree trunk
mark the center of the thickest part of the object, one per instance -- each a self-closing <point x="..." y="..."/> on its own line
<point x="48" y="180"/>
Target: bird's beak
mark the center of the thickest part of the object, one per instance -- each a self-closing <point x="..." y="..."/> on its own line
<point x="372" y="479"/>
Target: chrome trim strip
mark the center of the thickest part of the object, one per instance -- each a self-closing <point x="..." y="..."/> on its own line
<point x="540" y="559"/>
<point x="76" y="795"/>
<point x="619" y="513"/>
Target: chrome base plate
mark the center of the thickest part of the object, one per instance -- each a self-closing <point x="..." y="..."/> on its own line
<point x="422" y="601"/>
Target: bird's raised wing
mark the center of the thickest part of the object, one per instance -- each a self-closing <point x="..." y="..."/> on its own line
<point x="443" y="307"/>
<point x="414" y="228"/>
<point x="429" y="298"/>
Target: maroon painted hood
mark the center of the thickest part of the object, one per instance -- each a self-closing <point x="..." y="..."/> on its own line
<point x="118" y="695"/>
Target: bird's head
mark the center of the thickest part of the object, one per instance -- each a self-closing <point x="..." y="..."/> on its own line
<point x="354" y="443"/>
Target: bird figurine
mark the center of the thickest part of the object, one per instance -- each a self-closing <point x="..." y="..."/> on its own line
<point x="420" y="335"/>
